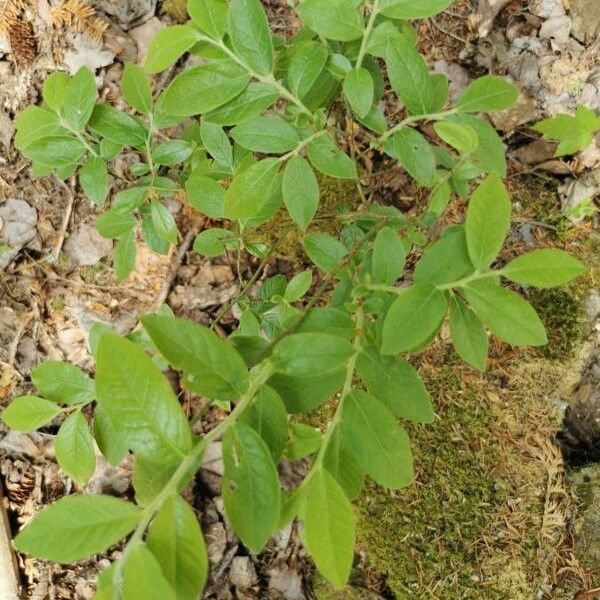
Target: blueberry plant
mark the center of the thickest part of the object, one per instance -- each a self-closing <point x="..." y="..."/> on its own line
<point x="248" y="134"/>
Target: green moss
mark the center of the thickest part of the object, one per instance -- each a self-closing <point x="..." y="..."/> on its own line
<point x="176" y="9"/>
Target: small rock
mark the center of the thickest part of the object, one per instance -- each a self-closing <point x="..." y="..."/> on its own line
<point x="120" y="43"/>
<point x="212" y="459"/>
<point x="287" y="582"/>
<point x="216" y="542"/>
<point x="19" y="220"/>
<point x="6" y="130"/>
<point x="130" y="13"/>
<point x="143" y="36"/>
<point x="557" y="29"/>
<point x="86" y="246"/>
<point x="586" y="20"/>
<point x="85" y="52"/>
<point x="487" y="11"/>
<point x="523" y="112"/>
<point x="575" y="191"/>
<point x="457" y="76"/>
<point x="242" y="573"/>
<point x="547" y="8"/>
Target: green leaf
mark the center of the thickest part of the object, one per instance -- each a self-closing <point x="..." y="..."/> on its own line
<point x="118" y="127"/>
<point x="217" y="143"/>
<point x="300" y="191"/>
<point x="488" y="93"/>
<point x="142" y="576"/>
<point x="267" y="415"/>
<point x="298" y="286"/>
<point x="163" y="221"/>
<point x="63" y="382"/>
<point x="506" y="314"/>
<point x="397" y="384"/>
<point x="325" y="156"/>
<point x="212" y="366"/>
<point x="306" y="354"/>
<point x="328" y="320"/>
<point x="93" y="178"/>
<point x="77" y="527"/>
<point x="460" y="137"/>
<point x="359" y="90"/>
<point x="214" y="242"/>
<point x="138" y="400"/>
<point x="203" y="88"/>
<point x="55" y="152"/>
<point x="206" y="195"/>
<point x="35" y="123"/>
<point x="249" y="190"/>
<point x="269" y="134"/>
<point x="113" y="223"/>
<point x="410" y="78"/>
<point x="413" y="318"/>
<point x="575" y="133"/>
<point x="544" y="268"/>
<point x="304" y="441"/>
<point x="80" y="98"/>
<point x="210" y="16"/>
<point x="168" y="46"/>
<point x="468" y="335"/>
<point x="415" y="154"/>
<point x="335" y="19"/>
<point x="250" y="35"/>
<point x="250" y="487"/>
<point x="445" y="261"/>
<point x="28" y="413"/>
<point x="113" y="447"/>
<point x="388" y="257"/>
<point x="409" y="9"/>
<point x="55" y="89"/>
<point x="175" y="539"/>
<point x="325" y="251"/>
<point x="306" y="64"/>
<point x="329" y="527"/>
<point x="339" y="461"/>
<point x="255" y="99"/>
<point x="380" y="446"/>
<point x="74" y="447"/>
<point x="124" y="256"/>
<point x="136" y="88"/>
<point x="151" y="474"/>
<point x="487" y="221"/>
<point x="172" y="152"/>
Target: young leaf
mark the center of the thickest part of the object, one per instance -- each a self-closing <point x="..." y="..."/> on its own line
<point x="488" y="93"/>
<point x="269" y="134"/>
<point x="175" y="539"/>
<point x="325" y="156"/>
<point x="163" y="221"/>
<point x="56" y="152"/>
<point x="212" y="366"/>
<point x="168" y="46"/>
<point x="339" y="461"/>
<point x="93" y="178"/>
<point x="203" y="88"/>
<point x="124" y="256"/>
<point x="249" y="190"/>
<point x="206" y="195"/>
<point x="413" y="318"/>
<point x="113" y="224"/>
<point x="306" y="354"/>
<point x="250" y="35"/>
<point x="304" y="441"/>
<point x="359" y="91"/>
<point x="142" y="577"/>
<point x="62" y="382"/>
<point x="329" y="527"/>
<point x="138" y="399"/>
<point x="55" y="89"/>
<point x="334" y="321"/>
<point x="112" y="445"/>
<point x="388" y="257"/>
<point x="487" y="221"/>
<point x="545" y="268"/>
<point x="460" y="137"/>
<point x="136" y="88"/>
<point x="468" y="335"/>
<point x="325" y="251"/>
<point x="338" y="20"/>
<point x="210" y="16"/>
<point x="77" y="527"/>
<point x="300" y="191"/>
<point x="80" y="98"/>
<point x="128" y="200"/>
<point x="506" y="314"/>
<point x="397" y="384"/>
<point x="298" y="286"/>
<point x="409" y="9"/>
<point x="255" y="99"/>
<point x="28" y="413"/>
<point x="415" y="153"/>
<point x="74" y="447"/>
<point x="117" y="126"/>
<point x="250" y="487"/>
<point x="214" y="242"/>
<point x="172" y="152"/>
<point x="306" y="64"/>
<point x="380" y="446"/>
<point x="36" y="123"/>
<point x="217" y="143"/>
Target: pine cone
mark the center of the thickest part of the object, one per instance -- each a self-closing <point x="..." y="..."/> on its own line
<point x="22" y="42"/>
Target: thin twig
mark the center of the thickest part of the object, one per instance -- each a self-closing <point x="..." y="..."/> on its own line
<point x="66" y="219"/>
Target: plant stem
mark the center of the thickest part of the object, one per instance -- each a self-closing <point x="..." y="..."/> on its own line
<point x="367" y="34"/>
<point x="302" y="145"/>
<point x="190" y="464"/>
<point x="413" y="119"/>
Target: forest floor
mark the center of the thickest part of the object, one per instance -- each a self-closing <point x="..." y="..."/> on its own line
<point x="500" y="509"/>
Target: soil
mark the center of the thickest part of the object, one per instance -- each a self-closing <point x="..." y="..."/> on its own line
<point x="496" y="512"/>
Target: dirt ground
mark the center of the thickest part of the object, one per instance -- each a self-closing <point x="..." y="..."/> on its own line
<point x="496" y="512"/>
